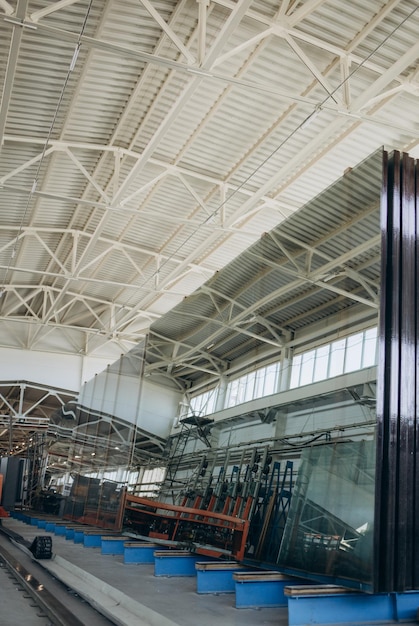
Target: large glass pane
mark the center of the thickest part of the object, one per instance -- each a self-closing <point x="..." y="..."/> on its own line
<point x="353" y="352"/>
<point x="241" y="390"/>
<point x="271" y="379"/>
<point x="337" y="358"/>
<point x="295" y="371"/>
<point x="260" y="382"/>
<point x="321" y="363"/>
<point x="204" y="403"/>
<point x="249" y="389"/>
<point x="370" y="348"/>
<point x="307" y="368"/>
<point x="329" y="531"/>
<point x="232" y="393"/>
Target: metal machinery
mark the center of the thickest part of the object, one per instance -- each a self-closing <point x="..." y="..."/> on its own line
<point x="231" y="508"/>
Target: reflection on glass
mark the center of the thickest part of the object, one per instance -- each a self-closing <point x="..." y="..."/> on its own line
<point x="329" y="531"/>
<point x="94" y="501"/>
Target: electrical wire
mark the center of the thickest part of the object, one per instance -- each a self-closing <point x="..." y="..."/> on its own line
<point x="245" y="181"/>
<point x="300" y="126"/>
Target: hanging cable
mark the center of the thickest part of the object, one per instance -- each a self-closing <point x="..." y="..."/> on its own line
<point x="309" y="118"/>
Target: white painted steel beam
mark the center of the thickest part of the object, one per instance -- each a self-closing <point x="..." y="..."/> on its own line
<point x="168" y="31"/>
<point x="12" y="60"/>
<point x="52" y="8"/>
<point x="7" y="8"/>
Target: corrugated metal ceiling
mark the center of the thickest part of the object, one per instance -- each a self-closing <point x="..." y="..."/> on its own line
<point x="144" y="145"/>
<point x="321" y="261"/>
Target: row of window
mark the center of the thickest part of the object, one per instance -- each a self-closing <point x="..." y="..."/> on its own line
<point x="339" y="357"/>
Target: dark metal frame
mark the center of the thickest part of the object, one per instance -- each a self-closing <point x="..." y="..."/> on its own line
<point x="396" y="566"/>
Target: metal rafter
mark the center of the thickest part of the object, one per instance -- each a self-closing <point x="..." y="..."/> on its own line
<point x="105" y="194"/>
<point x="296" y="263"/>
<point x="105" y="217"/>
<point x="12" y="60"/>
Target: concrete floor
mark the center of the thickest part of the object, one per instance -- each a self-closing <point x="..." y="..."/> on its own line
<point x="173" y="598"/>
<point x="16" y="607"/>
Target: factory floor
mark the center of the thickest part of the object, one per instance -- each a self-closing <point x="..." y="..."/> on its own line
<point x="172" y="598"/>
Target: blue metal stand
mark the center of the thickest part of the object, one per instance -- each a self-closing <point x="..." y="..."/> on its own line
<point x="216" y="577"/>
<point x="91" y="539"/>
<point x="135" y="552"/>
<point x="78" y="536"/>
<point x="350" y="607"/>
<point x="60" y="529"/>
<point x="71" y="531"/>
<point x="175" y="563"/>
<point x="262" y="589"/>
<point x="113" y="545"/>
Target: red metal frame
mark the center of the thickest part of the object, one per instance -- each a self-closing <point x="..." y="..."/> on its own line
<point x="177" y="518"/>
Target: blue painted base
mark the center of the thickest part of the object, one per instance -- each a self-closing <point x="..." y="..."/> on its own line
<point x="171" y="565"/>
<point x="406" y="605"/>
<point x="42" y="523"/>
<point x="50" y="527"/>
<point x="78" y="536"/>
<point x="352" y="608"/>
<point x="69" y="533"/>
<point x="114" y="545"/>
<point x="216" y="581"/>
<point x="139" y="554"/>
<point x="261" y="593"/>
<point x="92" y="541"/>
<point x="60" y="530"/>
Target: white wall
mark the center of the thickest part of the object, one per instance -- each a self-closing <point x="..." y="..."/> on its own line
<point x="150" y="405"/>
<point x="134" y="399"/>
<point x="62" y="371"/>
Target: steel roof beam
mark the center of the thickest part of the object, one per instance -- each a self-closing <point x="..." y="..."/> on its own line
<point x="7" y="8"/>
<point x="12" y="60"/>
<point x="228" y="28"/>
<point x="169" y="31"/>
<point x="37" y="15"/>
<point x="370" y="93"/>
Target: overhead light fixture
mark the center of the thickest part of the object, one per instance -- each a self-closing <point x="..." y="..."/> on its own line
<point x="310" y="118"/>
<point x="74" y="59"/>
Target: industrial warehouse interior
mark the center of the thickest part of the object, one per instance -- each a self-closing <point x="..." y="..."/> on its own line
<point x="209" y="244"/>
